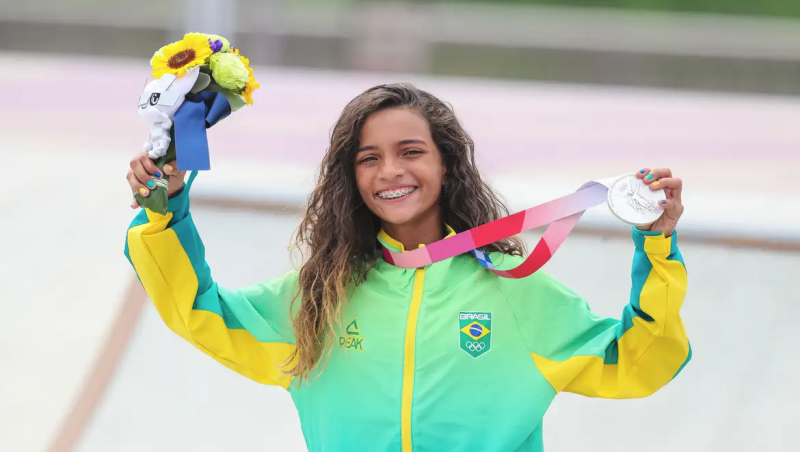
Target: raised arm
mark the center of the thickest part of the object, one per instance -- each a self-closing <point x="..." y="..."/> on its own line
<point x="579" y="352"/>
<point x="247" y="330"/>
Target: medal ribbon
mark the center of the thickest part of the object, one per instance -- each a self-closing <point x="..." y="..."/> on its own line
<point x="562" y="214"/>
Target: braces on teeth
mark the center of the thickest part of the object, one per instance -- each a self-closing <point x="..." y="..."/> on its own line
<point x="396" y="194"/>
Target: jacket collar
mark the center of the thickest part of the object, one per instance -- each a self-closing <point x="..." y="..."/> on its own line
<point x="392" y="244"/>
<point x="438" y="276"/>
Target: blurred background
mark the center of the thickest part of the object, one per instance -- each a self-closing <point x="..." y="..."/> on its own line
<point x="554" y="92"/>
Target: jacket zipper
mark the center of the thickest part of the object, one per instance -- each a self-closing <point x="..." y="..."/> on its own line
<point x="409" y="351"/>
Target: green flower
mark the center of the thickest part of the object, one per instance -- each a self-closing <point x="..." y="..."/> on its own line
<point x="228" y="71"/>
<point x="226" y="46"/>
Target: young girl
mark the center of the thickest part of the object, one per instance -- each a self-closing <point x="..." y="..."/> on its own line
<point x="445" y="357"/>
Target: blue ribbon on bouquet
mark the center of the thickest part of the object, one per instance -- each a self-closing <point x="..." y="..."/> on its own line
<point x="197" y="113"/>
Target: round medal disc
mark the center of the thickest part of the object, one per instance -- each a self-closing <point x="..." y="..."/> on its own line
<point x="633" y="202"/>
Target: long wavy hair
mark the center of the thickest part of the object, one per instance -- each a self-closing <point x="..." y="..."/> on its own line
<point x="339" y="232"/>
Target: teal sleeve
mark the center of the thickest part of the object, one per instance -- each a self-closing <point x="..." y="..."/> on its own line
<point x="634" y="356"/>
<point x="248" y="330"/>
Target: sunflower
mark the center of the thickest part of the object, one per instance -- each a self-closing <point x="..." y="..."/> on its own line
<point x="246" y="63"/>
<point x="176" y="58"/>
<point x="251" y="84"/>
<point x="249" y="87"/>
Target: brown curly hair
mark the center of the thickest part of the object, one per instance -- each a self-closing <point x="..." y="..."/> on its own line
<point x="339" y="232"/>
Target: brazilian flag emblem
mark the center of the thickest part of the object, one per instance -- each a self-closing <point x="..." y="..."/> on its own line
<point x="476" y="332"/>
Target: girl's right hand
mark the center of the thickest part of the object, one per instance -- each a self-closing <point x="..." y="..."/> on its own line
<point x="143" y="172"/>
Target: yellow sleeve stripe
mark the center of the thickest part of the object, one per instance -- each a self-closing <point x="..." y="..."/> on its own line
<point x="635" y="375"/>
<point x="650" y="353"/>
<point x="167" y="275"/>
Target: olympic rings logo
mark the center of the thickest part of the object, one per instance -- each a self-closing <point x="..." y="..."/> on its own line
<point x="475" y="346"/>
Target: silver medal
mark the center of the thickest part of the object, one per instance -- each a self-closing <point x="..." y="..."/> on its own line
<point x="633" y="202"/>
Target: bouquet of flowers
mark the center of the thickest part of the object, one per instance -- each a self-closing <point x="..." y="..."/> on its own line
<point x="198" y="81"/>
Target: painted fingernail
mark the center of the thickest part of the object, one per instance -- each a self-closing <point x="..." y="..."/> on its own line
<point x="143" y="191"/>
<point x="157" y="174"/>
<point x="641" y="171"/>
<point x="650" y="176"/>
<point x="150" y="184"/>
<point x="663" y="201"/>
<point x="656" y="183"/>
<point x="168" y="167"/>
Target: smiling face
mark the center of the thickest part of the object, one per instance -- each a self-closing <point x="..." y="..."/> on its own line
<point x="399" y="171"/>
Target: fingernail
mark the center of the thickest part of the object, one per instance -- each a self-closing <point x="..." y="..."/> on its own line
<point x="656" y="183"/>
<point x="641" y="171"/>
<point x="143" y="191"/>
<point x="150" y="184"/>
<point x="663" y="201"/>
<point x="650" y="176"/>
<point x="168" y="167"/>
<point x="157" y="174"/>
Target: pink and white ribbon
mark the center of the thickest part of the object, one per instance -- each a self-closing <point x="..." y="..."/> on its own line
<point x="562" y="214"/>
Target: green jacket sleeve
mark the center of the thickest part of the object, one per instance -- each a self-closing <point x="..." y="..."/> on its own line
<point x="247" y="330"/>
<point x="580" y="352"/>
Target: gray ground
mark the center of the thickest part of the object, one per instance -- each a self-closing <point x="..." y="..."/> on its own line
<point x="740" y="392"/>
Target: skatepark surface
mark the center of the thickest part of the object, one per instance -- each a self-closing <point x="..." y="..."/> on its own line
<point x="87" y="365"/>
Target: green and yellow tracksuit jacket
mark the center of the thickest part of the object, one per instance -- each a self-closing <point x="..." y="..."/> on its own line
<point x="448" y="357"/>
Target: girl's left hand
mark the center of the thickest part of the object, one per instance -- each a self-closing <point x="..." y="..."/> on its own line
<point x="673" y="208"/>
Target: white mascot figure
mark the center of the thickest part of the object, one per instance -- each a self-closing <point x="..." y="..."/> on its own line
<point x="158" y="103"/>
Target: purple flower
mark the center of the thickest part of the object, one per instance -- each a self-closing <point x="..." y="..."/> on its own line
<point x="216" y="45"/>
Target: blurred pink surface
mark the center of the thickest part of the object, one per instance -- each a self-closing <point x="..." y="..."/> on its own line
<point x="517" y="126"/>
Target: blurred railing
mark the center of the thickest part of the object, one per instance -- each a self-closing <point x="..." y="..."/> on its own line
<point x="582" y="45"/>
<point x="773" y="8"/>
